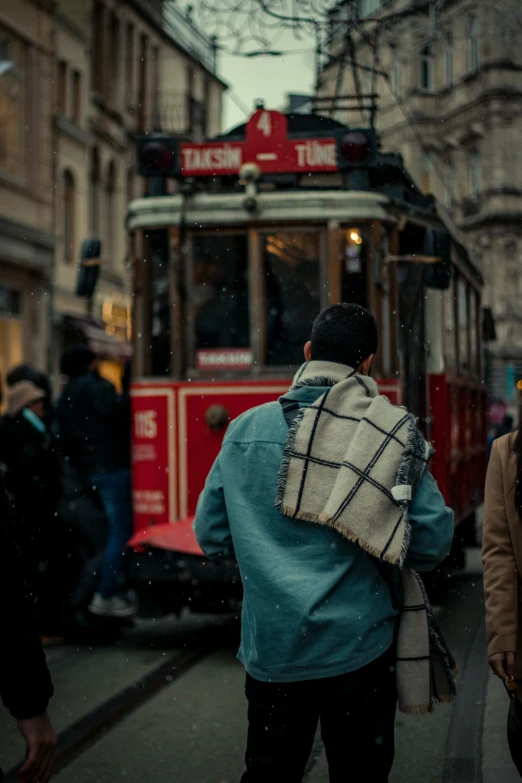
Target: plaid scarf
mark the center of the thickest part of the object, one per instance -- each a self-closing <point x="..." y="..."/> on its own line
<point x="352" y="462"/>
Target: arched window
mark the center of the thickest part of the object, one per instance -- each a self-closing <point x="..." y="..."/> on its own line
<point x="426" y="68"/>
<point x="448" y="59"/>
<point x="68" y="217"/>
<point x="474" y="173"/>
<point x="449" y="183"/>
<point x="110" y="187"/>
<point x="94" y="195"/>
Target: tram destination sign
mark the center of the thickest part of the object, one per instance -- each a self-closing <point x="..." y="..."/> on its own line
<point x="224" y="359"/>
<point x="267" y="145"/>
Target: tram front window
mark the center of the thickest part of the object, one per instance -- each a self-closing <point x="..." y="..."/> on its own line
<point x="220" y="291"/>
<point x="292" y="294"/>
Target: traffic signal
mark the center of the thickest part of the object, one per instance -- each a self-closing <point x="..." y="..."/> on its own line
<point x="357" y="148"/>
<point x="157" y="155"/>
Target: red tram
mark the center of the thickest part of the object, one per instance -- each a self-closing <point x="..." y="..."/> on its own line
<point x="249" y="236"/>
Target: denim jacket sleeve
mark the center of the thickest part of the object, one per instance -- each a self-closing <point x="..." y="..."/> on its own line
<point x="211" y="523"/>
<point x="431" y="527"/>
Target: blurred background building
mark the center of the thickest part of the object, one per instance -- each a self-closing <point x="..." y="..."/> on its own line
<point x="447" y="77"/>
<point x="79" y="81"/>
<point x="27" y="179"/>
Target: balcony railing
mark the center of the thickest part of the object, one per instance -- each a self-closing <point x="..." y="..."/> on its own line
<point x="182" y="29"/>
<point x="178" y="114"/>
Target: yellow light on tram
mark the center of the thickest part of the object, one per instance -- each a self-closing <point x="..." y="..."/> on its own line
<point x="354" y="236"/>
<point x="519" y="385"/>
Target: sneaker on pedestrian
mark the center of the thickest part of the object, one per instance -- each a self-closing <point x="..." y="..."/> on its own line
<point x="115" y="606"/>
<point x="123" y="606"/>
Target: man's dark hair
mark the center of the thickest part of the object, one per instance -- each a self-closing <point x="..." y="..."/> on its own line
<point x="344" y="333"/>
<point x="76" y="361"/>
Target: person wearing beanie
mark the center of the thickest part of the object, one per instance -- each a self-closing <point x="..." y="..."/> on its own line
<point x="93" y="425"/>
<point x="32" y="481"/>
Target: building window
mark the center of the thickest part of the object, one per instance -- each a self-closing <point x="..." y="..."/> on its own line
<point x="473" y="43"/>
<point x="114" y="65"/>
<point x="449" y="183"/>
<point x="396" y="73"/>
<point x="61" y="97"/>
<point x="129" y="68"/>
<point x="13" y="106"/>
<point x="155" y="89"/>
<point x="427" y="170"/>
<point x="448" y="59"/>
<point x="130" y="184"/>
<point x="142" y="82"/>
<point x="95" y="193"/>
<point x="110" y="187"/>
<point x="474" y="173"/>
<point x="426" y="68"/>
<point x="68" y="217"/>
<point x="77" y="97"/>
<point x="98" y="48"/>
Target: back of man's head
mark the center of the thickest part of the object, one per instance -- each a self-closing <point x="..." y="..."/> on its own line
<point x="77" y="361"/>
<point x="344" y="333"/>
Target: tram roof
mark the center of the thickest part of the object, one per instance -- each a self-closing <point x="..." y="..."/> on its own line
<point x="202" y="210"/>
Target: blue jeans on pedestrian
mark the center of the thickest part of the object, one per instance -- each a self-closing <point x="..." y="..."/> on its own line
<point x="114" y="491"/>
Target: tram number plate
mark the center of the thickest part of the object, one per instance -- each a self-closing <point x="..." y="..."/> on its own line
<point x="225" y="359"/>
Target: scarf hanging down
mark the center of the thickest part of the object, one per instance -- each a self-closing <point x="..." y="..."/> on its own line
<point x="352" y="462"/>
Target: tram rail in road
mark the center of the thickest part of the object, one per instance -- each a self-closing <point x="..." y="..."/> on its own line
<point x="81" y="735"/>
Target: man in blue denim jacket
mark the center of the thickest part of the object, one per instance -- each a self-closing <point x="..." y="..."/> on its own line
<point x="319" y="617"/>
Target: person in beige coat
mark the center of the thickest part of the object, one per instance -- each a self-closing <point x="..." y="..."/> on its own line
<point x="502" y="556"/>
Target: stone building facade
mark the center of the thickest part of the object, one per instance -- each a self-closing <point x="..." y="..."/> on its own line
<point x="448" y="76"/>
<point x="79" y="81"/>
<point x="122" y="69"/>
<point x="27" y="170"/>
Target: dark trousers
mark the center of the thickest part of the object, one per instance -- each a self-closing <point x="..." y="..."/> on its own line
<point x="356" y="712"/>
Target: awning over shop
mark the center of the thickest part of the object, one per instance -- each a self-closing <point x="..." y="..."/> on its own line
<point x="101" y="343"/>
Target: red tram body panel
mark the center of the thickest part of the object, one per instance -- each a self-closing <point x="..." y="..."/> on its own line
<point x="259" y="230"/>
<point x="174" y="449"/>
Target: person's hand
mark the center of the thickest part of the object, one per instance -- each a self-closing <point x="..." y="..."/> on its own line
<point x="503" y="664"/>
<point x="41" y="741"/>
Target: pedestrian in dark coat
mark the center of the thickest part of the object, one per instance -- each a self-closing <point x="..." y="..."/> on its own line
<point x="26" y="450"/>
<point x="25" y="683"/>
<point x="93" y="423"/>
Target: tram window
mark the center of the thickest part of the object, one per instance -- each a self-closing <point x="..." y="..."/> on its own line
<point x="220" y="291"/>
<point x="354" y="249"/>
<point x="450" y="340"/>
<point x="292" y="294"/>
<point x="475" y="356"/>
<point x="463" y="324"/>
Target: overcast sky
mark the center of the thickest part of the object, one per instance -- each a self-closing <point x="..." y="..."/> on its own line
<point x="269" y="78"/>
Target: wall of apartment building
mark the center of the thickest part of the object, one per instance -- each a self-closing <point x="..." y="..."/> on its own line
<point x="26" y="181"/>
<point x="117" y="75"/>
<point x="458" y="127"/>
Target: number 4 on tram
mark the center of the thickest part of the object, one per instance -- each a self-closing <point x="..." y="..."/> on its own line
<point x="250" y="235"/>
